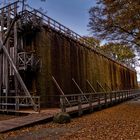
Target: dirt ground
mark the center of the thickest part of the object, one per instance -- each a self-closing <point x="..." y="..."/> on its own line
<point x="121" y="122"/>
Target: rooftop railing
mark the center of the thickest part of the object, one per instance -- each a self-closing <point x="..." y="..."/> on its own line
<point x="60" y="28"/>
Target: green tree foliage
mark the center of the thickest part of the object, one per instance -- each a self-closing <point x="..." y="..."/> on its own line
<point x="117" y="20"/>
<point x="95" y="43"/>
<point x="120" y="52"/>
<point x="117" y="51"/>
<point x="92" y="40"/>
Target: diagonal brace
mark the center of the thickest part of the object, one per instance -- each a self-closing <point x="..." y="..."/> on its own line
<point x="80" y="89"/>
<point x="2" y="46"/>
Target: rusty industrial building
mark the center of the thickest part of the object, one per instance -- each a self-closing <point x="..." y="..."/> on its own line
<point x="41" y="59"/>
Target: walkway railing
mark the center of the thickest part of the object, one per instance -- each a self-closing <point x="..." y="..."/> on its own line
<point x="95" y="99"/>
<point x="14" y="103"/>
<point x="51" y="23"/>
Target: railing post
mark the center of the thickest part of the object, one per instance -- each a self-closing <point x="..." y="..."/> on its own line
<point x="122" y="95"/>
<point x="99" y="101"/>
<point x="59" y="27"/>
<point x="111" y="97"/>
<point x="129" y="94"/>
<point x="38" y="98"/>
<point x="90" y="103"/>
<point x="119" y="96"/>
<point x="17" y="103"/>
<point x="79" y="106"/>
<point x="134" y="93"/>
<point x="105" y="98"/>
<point x="62" y="104"/>
<point x="49" y="22"/>
<point x="125" y="95"/>
<point x="115" y="97"/>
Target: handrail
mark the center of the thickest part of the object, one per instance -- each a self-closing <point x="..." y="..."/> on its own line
<point x="97" y="93"/>
<point x="63" y="29"/>
<point x="58" y="26"/>
<point x="13" y="3"/>
<point x="22" y="101"/>
<point x="97" y="98"/>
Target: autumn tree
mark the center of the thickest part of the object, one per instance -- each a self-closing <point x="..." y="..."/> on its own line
<point x="92" y="40"/>
<point x="95" y="43"/>
<point x="117" y="20"/>
<point x="117" y="51"/>
<point x="120" y="52"/>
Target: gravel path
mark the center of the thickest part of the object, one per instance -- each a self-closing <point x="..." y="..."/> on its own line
<point x="120" y="122"/>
